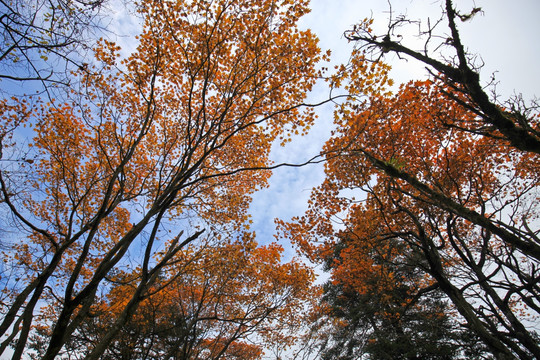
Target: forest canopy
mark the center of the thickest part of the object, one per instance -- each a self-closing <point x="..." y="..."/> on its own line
<point x="127" y="174"/>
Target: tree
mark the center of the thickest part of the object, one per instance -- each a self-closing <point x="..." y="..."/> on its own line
<point x="515" y="122"/>
<point x="450" y="174"/>
<point x="174" y="137"/>
<point x="43" y="40"/>
<point x="219" y="301"/>
<point x="385" y="306"/>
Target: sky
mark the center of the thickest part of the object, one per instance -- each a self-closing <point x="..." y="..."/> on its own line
<point x="504" y="34"/>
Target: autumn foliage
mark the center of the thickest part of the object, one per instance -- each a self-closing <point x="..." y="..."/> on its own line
<point x="229" y="300"/>
<point x="140" y="156"/>
<point x="125" y="183"/>
<point x="428" y="189"/>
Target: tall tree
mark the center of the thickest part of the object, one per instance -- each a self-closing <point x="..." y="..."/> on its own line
<point x="174" y="137"/>
<point x="451" y="175"/>
<point x="384" y="305"/>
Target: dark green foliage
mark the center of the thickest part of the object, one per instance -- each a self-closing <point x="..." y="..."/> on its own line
<point x="393" y="323"/>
